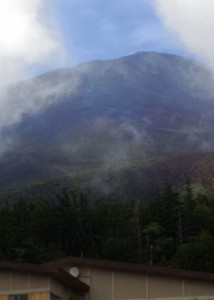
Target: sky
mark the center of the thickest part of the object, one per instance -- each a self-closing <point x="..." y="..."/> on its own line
<point x="37" y="36"/>
<point x="102" y="29"/>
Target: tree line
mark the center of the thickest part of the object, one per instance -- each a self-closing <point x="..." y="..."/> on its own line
<point x="174" y="229"/>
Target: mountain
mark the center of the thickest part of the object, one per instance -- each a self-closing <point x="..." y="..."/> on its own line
<point x="117" y="126"/>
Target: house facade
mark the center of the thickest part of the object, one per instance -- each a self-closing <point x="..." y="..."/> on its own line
<point x="21" y="281"/>
<point x="88" y="279"/>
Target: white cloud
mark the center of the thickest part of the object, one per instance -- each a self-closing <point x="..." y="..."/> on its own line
<point x="193" y="22"/>
<point x="25" y="38"/>
<point x="28" y="39"/>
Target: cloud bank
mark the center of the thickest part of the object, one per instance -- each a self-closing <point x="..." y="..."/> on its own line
<point x="26" y="39"/>
<point x="193" y="22"/>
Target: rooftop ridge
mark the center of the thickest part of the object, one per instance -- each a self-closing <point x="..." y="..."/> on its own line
<point x="124" y="266"/>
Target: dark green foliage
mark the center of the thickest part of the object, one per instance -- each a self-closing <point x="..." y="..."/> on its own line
<point x="176" y="229"/>
<point x="197" y="254"/>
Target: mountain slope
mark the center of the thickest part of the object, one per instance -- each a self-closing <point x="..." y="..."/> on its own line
<point x="109" y="117"/>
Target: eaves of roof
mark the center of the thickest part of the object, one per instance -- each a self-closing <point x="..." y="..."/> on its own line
<point x="131" y="267"/>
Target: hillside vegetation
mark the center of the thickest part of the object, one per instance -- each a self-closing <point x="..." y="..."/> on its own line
<point x="176" y="228"/>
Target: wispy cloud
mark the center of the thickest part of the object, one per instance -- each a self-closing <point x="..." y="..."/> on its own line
<point x="26" y="39"/>
<point x="193" y="22"/>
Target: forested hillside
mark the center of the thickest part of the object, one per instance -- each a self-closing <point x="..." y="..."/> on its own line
<point x="176" y="228"/>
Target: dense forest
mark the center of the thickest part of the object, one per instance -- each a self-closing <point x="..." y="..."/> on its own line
<point x="174" y="229"/>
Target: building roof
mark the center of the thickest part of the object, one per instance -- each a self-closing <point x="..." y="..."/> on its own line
<point x="131" y="267"/>
<point x="56" y="272"/>
<point x="56" y="269"/>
